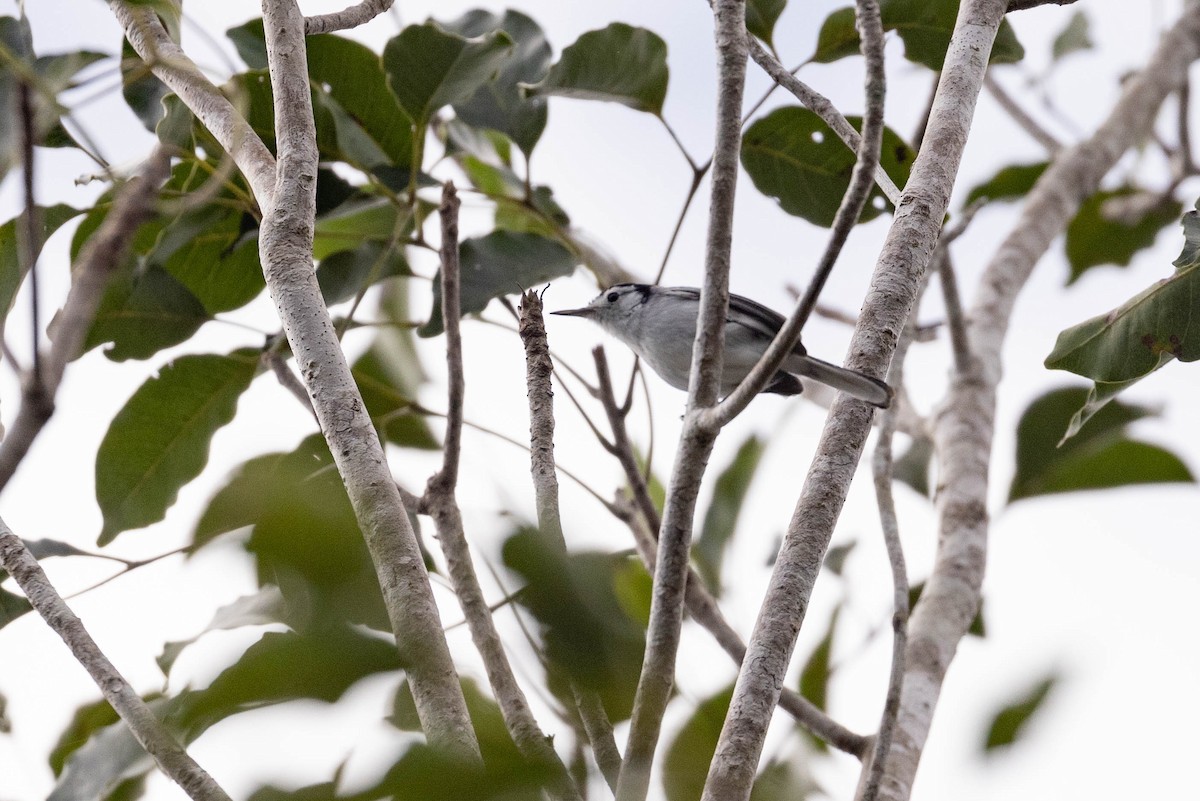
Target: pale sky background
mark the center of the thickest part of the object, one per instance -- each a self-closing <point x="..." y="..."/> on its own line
<point x="1102" y="587"/>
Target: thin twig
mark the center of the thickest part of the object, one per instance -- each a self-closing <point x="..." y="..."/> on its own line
<point x="861" y="183"/>
<point x="1186" y="164"/>
<point x="696" y="441"/>
<point x="103" y="251"/>
<point x="538" y="369"/>
<point x="452" y="317"/>
<point x="697" y="178"/>
<point x="169" y="755"/>
<point x="31" y="236"/>
<point x="350" y="17"/>
<point x="1021" y="117"/>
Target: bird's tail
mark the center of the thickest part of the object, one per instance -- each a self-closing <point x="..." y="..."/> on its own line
<point x="863" y="387"/>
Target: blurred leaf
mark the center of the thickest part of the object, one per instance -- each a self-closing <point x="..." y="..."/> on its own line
<point x="97" y="756"/>
<point x="1009" y="722"/>
<point x="685" y="765"/>
<point x="1099" y="456"/>
<point x="43" y="549"/>
<point x="346" y="273"/>
<point x="784" y="781"/>
<point x="838" y="37"/>
<point x="1009" y="183"/>
<point x="1095" y="237"/>
<point x="5" y="723"/>
<point x="159" y="440"/>
<point x="143" y="312"/>
<point x="251" y="43"/>
<point x="499" y="104"/>
<point x="793" y="156"/>
<point x="913" y="467"/>
<point x="720" y="520"/>
<point x="262" y="608"/>
<point x="587" y="633"/>
<point x="925" y="27"/>
<point x="348" y="225"/>
<point x="835" y="557"/>
<point x="761" y="16"/>
<point x="977" y="627"/>
<point x="634" y="588"/>
<point x="390" y="408"/>
<point x="814" y="677"/>
<point x="428" y="67"/>
<point x="486" y="718"/>
<point x="283" y="666"/>
<point x="497" y="264"/>
<point x="50" y="218"/>
<point x="425" y="774"/>
<point x="87" y="719"/>
<point x="1075" y="37"/>
<point x="620" y="63"/>
<point x="12" y="606"/>
<point x="142" y="91"/>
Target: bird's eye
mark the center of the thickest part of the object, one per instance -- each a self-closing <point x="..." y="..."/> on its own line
<point x="612" y="297"/>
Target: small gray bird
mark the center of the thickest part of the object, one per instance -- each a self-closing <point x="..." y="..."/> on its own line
<point x="659" y="325"/>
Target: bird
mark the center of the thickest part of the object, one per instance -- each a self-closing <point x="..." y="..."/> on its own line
<point x="659" y="325"/>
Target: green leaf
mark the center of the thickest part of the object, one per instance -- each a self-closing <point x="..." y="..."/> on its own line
<point x="1099" y="456"/>
<point x="761" y="16"/>
<point x="1075" y="37"/>
<point x="428" y="67"/>
<point x="925" y="27"/>
<point x="389" y="403"/>
<point x="159" y="441"/>
<point x="634" y="587"/>
<point x="12" y="606"/>
<point x="486" y="718"/>
<point x="107" y="758"/>
<point x="685" y="765"/>
<point x="87" y="719"/>
<point x="499" y="105"/>
<point x="207" y="252"/>
<point x="913" y="467"/>
<point x="500" y="263"/>
<point x="50" y="219"/>
<point x="793" y="156"/>
<point x="1098" y="236"/>
<point x="814" y="678"/>
<point x="784" y="781"/>
<point x="835" y="557"/>
<point x="619" y="64"/>
<point x="142" y="91"/>
<point x="359" y="219"/>
<point x="720" y="520"/>
<point x="143" y="312"/>
<point x="1009" y="183"/>
<point x="838" y="37"/>
<point x="1009" y="722"/>
<point x="260" y="609"/>
<point x="346" y="273"/>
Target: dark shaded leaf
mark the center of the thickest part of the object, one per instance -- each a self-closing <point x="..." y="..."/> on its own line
<point x="207" y="253"/>
<point x="793" y="156"/>
<point x="500" y="263"/>
<point x="1009" y="722"/>
<point x="761" y="16"/>
<point x="159" y="440"/>
<point x="720" y="520"/>
<point x="1096" y="236"/>
<point x="427" y="67"/>
<point x="620" y="64"/>
<point x="1100" y="455"/>
<point x="142" y="91"/>
<point x="1009" y="183"/>
<point x="51" y="218"/>
<point x="346" y="273"/>
<point x="12" y="606"/>
<point x="838" y="37"/>
<point x="142" y="313"/>
<point x="814" y="678"/>
<point x="686" y="763"/>
<point x="784" y="781"/>
<point x="494" y="740"/>
<point x="634" y="588"/>
<point x="359" y="219"/>
<point x="43" y="549"/>
<point x="499" y="104"/>
<point x="913" y="467"/>
<point x="391" y="408"/>
<point x="835" y="557"/>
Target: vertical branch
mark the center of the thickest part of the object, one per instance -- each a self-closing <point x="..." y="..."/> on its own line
<point x="285" y="247"/>
<point x="538" y="371"/>
<point x="696" y="441"/>
<point x="898" y="275"/>
<point x="170" y="757"/>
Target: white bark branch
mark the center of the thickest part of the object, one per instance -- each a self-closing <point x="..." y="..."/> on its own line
<point x="964" y="431"/>
<point x="350" y="17"/>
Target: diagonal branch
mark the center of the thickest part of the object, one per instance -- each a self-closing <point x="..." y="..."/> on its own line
<point x="171" y="758"/>
<point x="898" y="275"/>
<point x="964" y="431"/>
<point x="350" y="17"/>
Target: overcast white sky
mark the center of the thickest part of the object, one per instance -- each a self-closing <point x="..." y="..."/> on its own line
<point x="1102" y="586"/>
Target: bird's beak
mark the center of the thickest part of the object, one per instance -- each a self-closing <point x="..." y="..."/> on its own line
<point x="586" y="311"/>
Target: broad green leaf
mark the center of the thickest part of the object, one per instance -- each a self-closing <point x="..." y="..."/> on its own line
<point x="912" y="468"/>
<point x="838" y="37"/>
<point x="1075" y="37"/>
<point x="1009" y="722"/>
<point x="241" y="502"/>
<point x="793" y="156"/>
<point x="497" y="264"/>
<point x="260" y="609"/>
<point x="620" y="64"/>
<point x="1009" y="183"/>
<point x="494" y="740"/>
<point x="45" y="548"/>
<point x="428" y="67"/>
<point x="634" y="588"/>
<point x="761" y="16"/>
<point x="391" y="409"/>
<point x="685" y="765"/>
<point x="143" y="312"/>
<point x="109" y="756"/>
<point x="16" y="38"/>
<point x="499" y="104"/>
<point x="1101" y="455"/>
<point x="1096" y="237"/>
<point x="814" y="677"/>
<point x="720" y="520"/>
<point x="359" y="219"/>
<point x="143" y="92"/>
<point x="344" y="274"/>
<point x="925" y="27"/>
<point x="86" y="720"/>
<point x="50" y="219"/>
<point x="159" y="441"/>
<point x="207" y="252"/>
<point x="586" y="632"/>
<point x="12" y="606"/>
